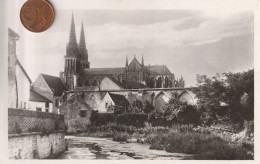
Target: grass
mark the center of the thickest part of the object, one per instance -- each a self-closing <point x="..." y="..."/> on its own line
<point x="203" y="146"/>
<point x="121" y="137"/>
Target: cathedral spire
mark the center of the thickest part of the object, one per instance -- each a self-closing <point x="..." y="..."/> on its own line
<point x="72" y="31"/>
<point x="82" y="43"/>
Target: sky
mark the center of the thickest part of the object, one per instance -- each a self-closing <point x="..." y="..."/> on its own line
<point x="189" y="42"/>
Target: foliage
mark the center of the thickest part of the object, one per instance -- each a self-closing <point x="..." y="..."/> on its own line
<point x="130" y="119"/>
<point x="98" y="119"/>
<point x="220" y="97"/>
<point x="176" y="112"/>
<point x="137" y="120"/>
<point x="204" y="146"/>
<point x="148" y="107"/>
<point x="121" y="137"/>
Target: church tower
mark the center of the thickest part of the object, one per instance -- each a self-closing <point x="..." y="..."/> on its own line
<point x="83" y="50"/>
<point x="72" y="59"/>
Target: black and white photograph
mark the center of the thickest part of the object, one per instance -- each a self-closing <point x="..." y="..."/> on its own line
<point x="131" y="84"/>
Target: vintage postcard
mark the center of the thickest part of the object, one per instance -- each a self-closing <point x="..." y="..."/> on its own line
<point x="131" y="80"/>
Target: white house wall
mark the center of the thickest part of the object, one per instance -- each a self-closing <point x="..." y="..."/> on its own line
<point x="23" y="86"/>
<point x="42" y="87"/>
<point x="108" y="84"/>
<point x="33" y="105"/>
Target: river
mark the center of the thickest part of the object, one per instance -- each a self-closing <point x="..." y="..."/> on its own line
<point x="106" y="148"/>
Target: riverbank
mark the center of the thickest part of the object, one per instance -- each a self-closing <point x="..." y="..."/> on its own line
<point x="105" y="148"/>
<point x="172" y="140"/>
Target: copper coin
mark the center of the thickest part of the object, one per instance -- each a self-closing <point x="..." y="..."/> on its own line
<point x="37" y="15"/>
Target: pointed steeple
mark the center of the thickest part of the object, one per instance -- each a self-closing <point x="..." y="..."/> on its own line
<point x="142" y="60"/>
<point x="126" y="63"/>
<point x="82" y="43"/>
<point x="72" y="31"/>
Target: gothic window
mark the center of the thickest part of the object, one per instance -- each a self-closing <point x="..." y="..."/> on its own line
<point x="170" y="83"/>
<point x="152" y="82"/>
<point x="166" y="82"/>
<point x="159" y="83"/>
<point x="95" y="83"/>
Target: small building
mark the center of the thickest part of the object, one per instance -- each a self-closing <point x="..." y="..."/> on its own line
<point x="121" y="104"/>
<point x="51" y="88"/>
<point x="39" y="103"/>
<point x="76" y="113"/>
<point x="101" y="83"/>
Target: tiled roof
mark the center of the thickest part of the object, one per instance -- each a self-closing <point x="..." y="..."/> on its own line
<point x="104" y="71"/>
<point x="133" y="85"/>
<point x="119" y="100"/>
<point x="158" y="69"/>
<point x="55" y="84"/>
<point x="34" y="96"/>
<point x="117" y="82"/>
<point x="152" y="69"/>
<point x="101" y="77"/>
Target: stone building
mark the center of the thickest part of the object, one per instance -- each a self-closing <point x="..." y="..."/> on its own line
<point x="78" y="74"/>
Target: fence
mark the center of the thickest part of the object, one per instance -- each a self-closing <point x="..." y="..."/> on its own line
<point x="25" y="121"/>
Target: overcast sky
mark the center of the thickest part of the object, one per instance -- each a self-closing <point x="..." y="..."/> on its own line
<point x="189" y="42"/>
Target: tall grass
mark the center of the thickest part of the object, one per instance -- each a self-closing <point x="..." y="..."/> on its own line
<point x="203" y="146"/>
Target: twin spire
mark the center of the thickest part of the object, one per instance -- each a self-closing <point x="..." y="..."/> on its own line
<point x="126" y="63"/>
<point x="73" y="39"/>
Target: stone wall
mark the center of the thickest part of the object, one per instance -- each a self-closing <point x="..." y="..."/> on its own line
<point x="35" y="145"/>
<point x="24" y="121"/>
<point x="76" y="114"/>
<point x="35" y="134"/>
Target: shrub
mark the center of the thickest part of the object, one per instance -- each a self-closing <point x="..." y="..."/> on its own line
<point x="122" y="137"/>
<point x="203" y="146"/>
<point x="98" y="119"/>
<point x="137" y="120"/>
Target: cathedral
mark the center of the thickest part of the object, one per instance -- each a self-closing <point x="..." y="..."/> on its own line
<point x="134" y="75"/>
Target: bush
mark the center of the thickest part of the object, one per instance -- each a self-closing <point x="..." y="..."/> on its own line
<point x="137" y="120"/>
<point x="122" y="137"/>
<point x="202" y="145"/>
<point x="98" y="119"/>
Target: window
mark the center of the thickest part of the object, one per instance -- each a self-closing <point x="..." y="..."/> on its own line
<point x="47" y="106"/>
<point x="38" y="109"/>
<point x="82" y="113"/>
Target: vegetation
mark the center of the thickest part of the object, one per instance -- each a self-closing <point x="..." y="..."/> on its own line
<point x="130" y="119"/>
<point x="225" y="99"/>
<point x="202" y="145"/>
<point x="121" y="137"/>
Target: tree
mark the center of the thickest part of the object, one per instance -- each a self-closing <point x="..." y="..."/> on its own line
<point x="220" y="97"/>
<point x="175" y="112"/>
